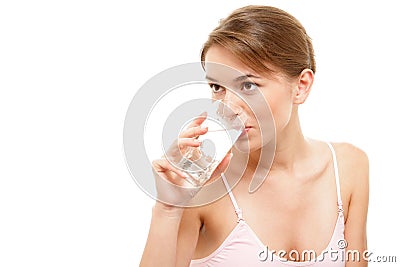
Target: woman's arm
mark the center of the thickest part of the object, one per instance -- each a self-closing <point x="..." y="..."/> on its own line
<point x="356" y="167"/>
<point x="172" y="237"/>
<point x="171" y="240"/>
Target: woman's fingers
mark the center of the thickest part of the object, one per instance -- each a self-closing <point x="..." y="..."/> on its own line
<point x="185" y="142"/>
<point x="179" y="148"/>
<point x="193" y="132"/>
<point x="172" y="182"/>
<point x="164" y="166"/>
<point x="194" y="128"/>
<point x="199" y="120"/>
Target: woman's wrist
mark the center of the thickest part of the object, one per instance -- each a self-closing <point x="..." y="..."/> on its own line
<point x="166" y="210"/>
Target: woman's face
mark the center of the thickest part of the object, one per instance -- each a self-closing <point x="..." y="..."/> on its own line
<point x="266" y="100"/>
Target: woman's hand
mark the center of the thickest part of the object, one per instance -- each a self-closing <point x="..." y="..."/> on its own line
<point x="172" y="187"/>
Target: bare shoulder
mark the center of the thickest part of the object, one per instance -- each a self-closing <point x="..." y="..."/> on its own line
<point x="351" y="156"/>
<point x="353" y="165"/>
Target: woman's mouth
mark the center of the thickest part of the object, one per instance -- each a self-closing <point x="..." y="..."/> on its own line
<point x="245" y="130"/>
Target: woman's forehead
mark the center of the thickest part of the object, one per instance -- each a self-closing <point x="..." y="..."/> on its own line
<point x="218" y="55"/>
<point x="222" y="64"/>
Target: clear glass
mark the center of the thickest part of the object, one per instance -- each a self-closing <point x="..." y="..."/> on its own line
<point x="225" y="122"/>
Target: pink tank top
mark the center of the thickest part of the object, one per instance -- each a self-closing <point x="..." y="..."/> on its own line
<point x="242" y="247"/>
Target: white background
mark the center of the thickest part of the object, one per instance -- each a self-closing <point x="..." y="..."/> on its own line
<point x="69" y="69"/>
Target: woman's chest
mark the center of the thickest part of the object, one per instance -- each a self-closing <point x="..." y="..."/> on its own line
<point x="286" y="218"/>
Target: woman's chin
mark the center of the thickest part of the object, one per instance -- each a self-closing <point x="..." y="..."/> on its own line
<point x="249" y="145"/>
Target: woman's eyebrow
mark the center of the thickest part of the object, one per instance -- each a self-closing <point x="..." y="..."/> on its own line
<point x="245" y="77"/>
<point x="237" y="79"/>
<point x="208" y="78"/>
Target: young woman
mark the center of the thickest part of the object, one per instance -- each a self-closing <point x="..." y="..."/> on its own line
<point x="312" y="207"/>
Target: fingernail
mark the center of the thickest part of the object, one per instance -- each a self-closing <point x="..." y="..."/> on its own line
<point x="231" y="154"/>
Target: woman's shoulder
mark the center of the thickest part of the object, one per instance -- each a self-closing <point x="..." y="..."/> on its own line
<point x="353" y="166"/>
<point x="350" y="156"/>
<point x="352" y="162"/>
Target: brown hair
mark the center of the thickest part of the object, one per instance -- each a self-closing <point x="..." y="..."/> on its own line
<point x="262" y="36"/>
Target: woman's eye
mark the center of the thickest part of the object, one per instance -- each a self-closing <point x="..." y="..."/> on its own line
<point x="249" y="86"/>
<point x="216" y="88"/>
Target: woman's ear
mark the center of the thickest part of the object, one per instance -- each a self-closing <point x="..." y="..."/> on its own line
<point x="303" y="87"/>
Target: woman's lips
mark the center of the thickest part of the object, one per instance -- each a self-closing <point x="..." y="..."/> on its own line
<point x="245" y="130"/>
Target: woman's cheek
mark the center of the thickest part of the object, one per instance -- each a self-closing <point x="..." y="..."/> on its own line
<point x="281" y="109"/>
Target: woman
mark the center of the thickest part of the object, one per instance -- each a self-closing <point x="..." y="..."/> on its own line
<point x="312" y="207"/>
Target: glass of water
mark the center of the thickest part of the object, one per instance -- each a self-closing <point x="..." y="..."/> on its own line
<point x="226" y="123"/>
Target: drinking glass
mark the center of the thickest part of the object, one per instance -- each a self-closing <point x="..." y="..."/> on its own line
<point x="226" y="123"/>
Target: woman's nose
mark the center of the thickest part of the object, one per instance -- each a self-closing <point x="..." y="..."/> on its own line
<point x="232" y="102"/>
<point x="230" y="106"/>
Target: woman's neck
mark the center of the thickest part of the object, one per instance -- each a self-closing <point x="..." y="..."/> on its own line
<point x="290" y="147"/>
<point x="289" y="150"/>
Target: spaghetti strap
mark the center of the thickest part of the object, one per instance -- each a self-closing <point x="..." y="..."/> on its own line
<point x="238" y="211"/>
<point x="335" y="166"/>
